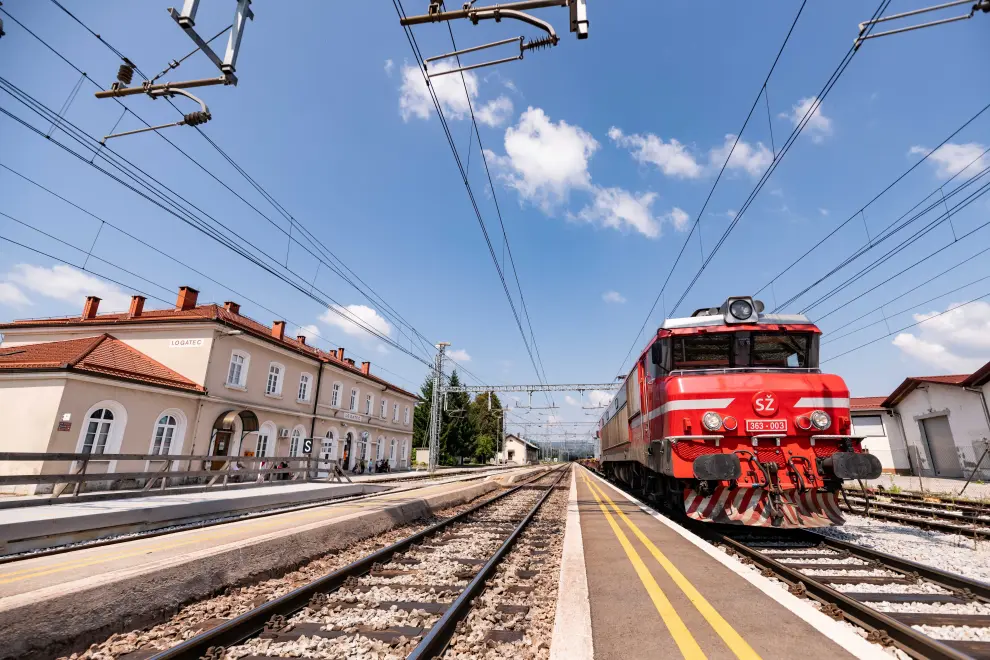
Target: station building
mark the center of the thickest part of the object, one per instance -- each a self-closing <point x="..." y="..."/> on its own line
<point x="519" y="451"/>
<point x="189" y="380"/>
<point x="933" y="426"/>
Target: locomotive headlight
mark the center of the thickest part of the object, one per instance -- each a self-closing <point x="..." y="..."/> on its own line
<point x="741" y="309"/>
<point x="712" y="421"/>
<point x="820" y="420"/>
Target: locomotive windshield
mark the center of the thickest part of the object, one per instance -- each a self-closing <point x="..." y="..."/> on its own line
<point x="743" y="350"/>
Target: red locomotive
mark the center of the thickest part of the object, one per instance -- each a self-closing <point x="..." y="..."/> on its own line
<point x="727" y="418"/>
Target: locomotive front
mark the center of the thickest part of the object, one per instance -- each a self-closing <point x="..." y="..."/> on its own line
<point x="731" y="421"/>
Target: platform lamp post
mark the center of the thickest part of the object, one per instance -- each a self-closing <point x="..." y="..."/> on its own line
<point x="435" y="414"/>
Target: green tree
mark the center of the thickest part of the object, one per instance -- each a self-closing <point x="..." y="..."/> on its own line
<point x="421" y="414"/>
<point x="457" y="433"/>
<point x="484" y="448"/>
<point x="486" y="422"/>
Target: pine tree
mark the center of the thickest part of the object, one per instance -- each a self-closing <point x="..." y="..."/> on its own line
<point x="457" y="434"/>
<point x="487" y="422"/>
<point x="421" y="415"/>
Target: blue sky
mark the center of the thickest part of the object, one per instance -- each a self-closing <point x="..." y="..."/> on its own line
<point x="602" y="153"/>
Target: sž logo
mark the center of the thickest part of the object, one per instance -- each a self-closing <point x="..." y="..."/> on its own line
<point x="765" y="403"/>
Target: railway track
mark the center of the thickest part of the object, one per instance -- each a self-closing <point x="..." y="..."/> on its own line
<point x="921" y="610"/>
<point x="968" y="520"/>
<point x="409" y="596"/>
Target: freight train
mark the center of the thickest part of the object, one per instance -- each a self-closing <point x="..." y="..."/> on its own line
<point x="726" y="417"/>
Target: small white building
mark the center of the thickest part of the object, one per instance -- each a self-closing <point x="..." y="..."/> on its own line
<point x="518" y="451"/>
<point x="930" y="425"/>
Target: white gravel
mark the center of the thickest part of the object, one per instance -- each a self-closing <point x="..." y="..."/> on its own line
<point x="940" y="608"/>
<point x="956" y="632"/>
<point x="873" y="572"/>
<point x="948" y="552"/>
<point x="921" y="587"/>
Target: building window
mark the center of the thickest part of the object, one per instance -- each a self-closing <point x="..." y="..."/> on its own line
<point x="237" y="373"/>
<point x="391" y="451"/>
<point x="384" y="408"/>
<point x="395" y="412"/>
<point x="164" y="432"/>
<point x="369" y="403"/>
<point x="304" y="382"/>
<point x="402" y="452"/>
<point x="100" y="426"/>
<point x="405" y="416"/>
<point x="274" y="387"/>
<point x="265" y="439"/>
<point x="295" y="443"/>
<point x="335" y="396"/>
<point x="381" y="447"/>
<point x="354" y="400"/>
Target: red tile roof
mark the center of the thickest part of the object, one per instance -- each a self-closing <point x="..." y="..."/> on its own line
<point x="211" y="313"/>
<point x="866" y="402"/>
<point x="913" y="382"/>
<point x="979" y="377"/>
<point x="102" y="355"/>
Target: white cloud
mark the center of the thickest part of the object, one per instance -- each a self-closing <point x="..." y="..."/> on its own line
<point x="950" y="159"/>
<point x="459" y="355"/>
<point x="599" y="398"/>
<point x="818" y="126"/>
<point x="12" y="296"/>
<point x="678" y="217"/>
<point x="347" y="318"/>
<point x="621" y="209"/>
<point x="496" y="112"/>
<point x="414" y="95"/>
<point x="70" y="285"/>
<point x="672" y="158"/>
<point x="544" y="160"/>
<point x="613" y="297"/>
<point x="957" y="340"/>
<point x="389" y="67"/>
<point x="824" y="212"/>
<point x="308" y="331"/>
<point x="754" y="160"/>
<point x="569" y="400"/>
<point x="382" y="349"/>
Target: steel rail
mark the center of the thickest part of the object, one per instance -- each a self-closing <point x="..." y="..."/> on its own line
<point x="235" y="518"/>
<point x="914" y="643"/>
<point x="979" y="529"/>
<point x="436" y="640"/>
<point x="253" y="622"/>
<point x="943" y="510"/>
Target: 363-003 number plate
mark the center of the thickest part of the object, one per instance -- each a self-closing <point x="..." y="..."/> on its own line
<point x="766" y="426"/>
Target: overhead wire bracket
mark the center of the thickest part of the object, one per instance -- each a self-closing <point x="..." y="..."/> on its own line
<point x="190" y="119"/>
<point x="510" y="10"/>
<point x="979" y="5"/>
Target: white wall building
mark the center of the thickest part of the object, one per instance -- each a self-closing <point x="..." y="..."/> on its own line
<point x="935" y="426"/>
<point x="518" y="451"/>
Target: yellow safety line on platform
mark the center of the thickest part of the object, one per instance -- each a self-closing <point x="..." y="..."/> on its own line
<point x="682" y="636"/>
<point x="199" y="537"/>
<point x="733" y="639"/>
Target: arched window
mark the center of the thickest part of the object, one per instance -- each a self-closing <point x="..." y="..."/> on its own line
<point x="238" y="370"/>
<point x="328" y="449"/>
<point x="164" y="433"/>
<point x="354" y="400"/>
<point x="266" y="439"/>
<point x="391" y="451"/>
<point x="362" y="447"/>
<point x="381" y="448"/>
<point x="274" y="386"/>
<point x="402" y="452"/>
<point x="98" y="431"/>
<point x="305" y="382"/>
<point x="295" y="443"/>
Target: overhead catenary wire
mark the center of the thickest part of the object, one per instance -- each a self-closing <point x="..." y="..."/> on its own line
<point x="711" y="191"/>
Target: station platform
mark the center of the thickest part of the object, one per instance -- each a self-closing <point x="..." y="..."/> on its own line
<point x="72" y="599"/>
<point x="654" y="590"/>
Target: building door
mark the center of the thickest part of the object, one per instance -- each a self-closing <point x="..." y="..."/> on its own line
<point x="347" y="451"/>
<point x="945" y="458"/>
<point x="221" y="447"/>
<point x="326" y="452"/>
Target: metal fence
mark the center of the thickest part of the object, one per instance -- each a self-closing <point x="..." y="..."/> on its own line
<point x="77" y="470"/>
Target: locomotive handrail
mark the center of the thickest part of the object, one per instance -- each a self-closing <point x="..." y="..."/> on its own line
<point x="678" y="438"/>
<point x="767" y="370"/>
<point x="814" y="438"/>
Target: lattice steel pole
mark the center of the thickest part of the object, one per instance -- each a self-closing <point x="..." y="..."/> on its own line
<point x="435" y="413"/>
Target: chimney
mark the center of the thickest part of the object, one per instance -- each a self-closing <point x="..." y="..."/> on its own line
<point x="187" y="298"/>
<point x="89" y="309"/>
<point x="232" y="307"/>
<point x="340" y="353"/>
<point x="137" y="306"/>
<point x="301" y="339"/>
<point x="278" y="330"/>
<point x="366" y="368"/>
